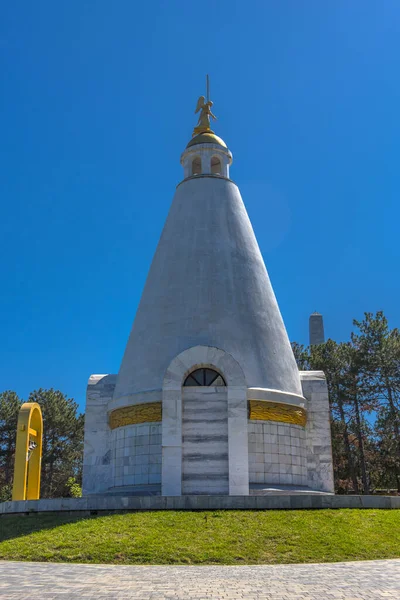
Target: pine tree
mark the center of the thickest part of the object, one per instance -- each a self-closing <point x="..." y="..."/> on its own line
<point x="302" y="356"/>
<point x="380" y="348"/>
<point x="387" y="464"/>
<point x="9" y="408"/>
<point x="359" y="403"/>
<point x="331" y="358"/>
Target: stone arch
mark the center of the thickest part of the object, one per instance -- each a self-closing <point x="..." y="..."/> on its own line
<point x="181" y="365"/>
<point x="196" y="165"/>
<point x="216" y="165"/>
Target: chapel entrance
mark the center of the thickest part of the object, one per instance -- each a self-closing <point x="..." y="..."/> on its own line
<point x="205" y="467"/>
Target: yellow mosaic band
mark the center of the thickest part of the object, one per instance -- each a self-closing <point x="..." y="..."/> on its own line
<point x="132" y="415"/>
<point x="263" y="410"/>
<point x="259" y="410"/>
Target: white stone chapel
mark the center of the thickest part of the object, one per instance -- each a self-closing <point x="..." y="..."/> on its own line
<point x="208" y="398"/>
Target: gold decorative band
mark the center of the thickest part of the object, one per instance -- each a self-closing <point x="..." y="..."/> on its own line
<point x="263" y="410"/>
<point x="132" y="415"/>
<point x="259" y="410"/>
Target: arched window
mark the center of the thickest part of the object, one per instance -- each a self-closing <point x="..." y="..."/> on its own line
<point x="204" y="377"/>
<point x="216" y="166"/>
<point x="196" y="165"/>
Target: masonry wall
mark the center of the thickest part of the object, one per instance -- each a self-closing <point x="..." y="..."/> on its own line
<point x="205" y="467"/>
<point x="286" y="454"/>
<point x="277" y="453"/>
<point x="97" y="453"/>
<point x="136" y="455"/>
<point x="318" y="431"/>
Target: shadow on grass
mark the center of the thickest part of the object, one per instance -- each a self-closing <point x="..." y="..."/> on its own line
<point x="12" y="527"/>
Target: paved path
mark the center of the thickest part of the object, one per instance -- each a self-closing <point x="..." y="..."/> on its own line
<point x="370" y="580"/>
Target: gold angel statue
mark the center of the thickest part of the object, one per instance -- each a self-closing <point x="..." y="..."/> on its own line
<point x="203" y="124"/>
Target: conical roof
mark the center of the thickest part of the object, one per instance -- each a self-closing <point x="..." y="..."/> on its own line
<point x="208" y="285"/>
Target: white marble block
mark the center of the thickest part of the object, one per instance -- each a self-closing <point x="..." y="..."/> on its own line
<point x="97" y="453"/>
<point x="318" y="432"/>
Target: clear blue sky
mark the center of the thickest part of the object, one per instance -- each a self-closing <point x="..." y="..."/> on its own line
<point x="97" y="102"/>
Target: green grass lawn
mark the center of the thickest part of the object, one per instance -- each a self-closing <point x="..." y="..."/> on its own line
<point x="231" y="537"/>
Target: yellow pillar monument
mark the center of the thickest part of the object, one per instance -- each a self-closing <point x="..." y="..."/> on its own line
<point x="28" y="453"/>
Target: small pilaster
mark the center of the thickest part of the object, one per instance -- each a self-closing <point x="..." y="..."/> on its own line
<point x="318" y="432"/>
<point x="97" y="459"/>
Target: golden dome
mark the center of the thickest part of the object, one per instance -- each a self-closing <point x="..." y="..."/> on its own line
<point x="206" y="138"/>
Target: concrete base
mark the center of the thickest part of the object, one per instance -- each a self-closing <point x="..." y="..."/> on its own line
<point x="286" y="500"/>
<point x="256" y="489"/>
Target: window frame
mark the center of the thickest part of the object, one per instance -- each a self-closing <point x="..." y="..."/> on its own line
<point x="200" y="375"/>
